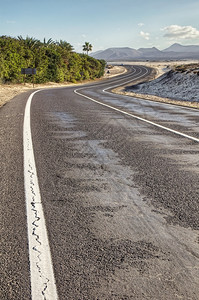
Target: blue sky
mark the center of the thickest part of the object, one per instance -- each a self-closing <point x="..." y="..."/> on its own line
<point x="104" y="23"/>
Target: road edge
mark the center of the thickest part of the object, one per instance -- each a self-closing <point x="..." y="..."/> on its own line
<point x="41" y="269"/>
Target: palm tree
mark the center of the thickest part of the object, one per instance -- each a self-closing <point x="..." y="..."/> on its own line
<point x="31" y="47"/>
<point x="87" y="47"/>
<point x="29" y="42"/>
<point x="65" y="45"/>
<point x="48" y="43"/>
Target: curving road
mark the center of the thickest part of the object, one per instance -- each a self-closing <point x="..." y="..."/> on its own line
<point x="118" y="179"/>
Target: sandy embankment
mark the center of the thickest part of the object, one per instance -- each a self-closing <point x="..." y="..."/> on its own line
<point x="161" y="68"/>
<point x="7" y="92"/>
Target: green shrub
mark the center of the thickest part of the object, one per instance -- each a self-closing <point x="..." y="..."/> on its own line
<point x="55" y="62"/>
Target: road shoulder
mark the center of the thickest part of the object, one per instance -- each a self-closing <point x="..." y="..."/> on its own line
<point x="9" y="91"/>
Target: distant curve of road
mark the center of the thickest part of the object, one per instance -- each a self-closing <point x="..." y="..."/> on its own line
<point x="118" y="181"/>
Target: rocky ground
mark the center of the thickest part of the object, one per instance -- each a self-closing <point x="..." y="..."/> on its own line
<point x="174" y="83"/>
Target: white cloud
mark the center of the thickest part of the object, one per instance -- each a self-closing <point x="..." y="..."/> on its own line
<point x="181" y="32"/>
<point x="145" y="35"/>
<point x="140" y="24"/>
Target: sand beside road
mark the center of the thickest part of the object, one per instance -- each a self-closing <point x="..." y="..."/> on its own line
<point x="7" y="92"/>
<point x="157" y="98"/>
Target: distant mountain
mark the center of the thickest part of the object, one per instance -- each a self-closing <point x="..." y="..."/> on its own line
<point x="176" y="51"/>
<point x="97" y="52"/>
<point x="180" y="48"/>
<point x="116" y="54"/>
<point x="149" y="51"/>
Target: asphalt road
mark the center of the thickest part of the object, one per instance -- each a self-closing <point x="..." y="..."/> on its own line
<point x="119" y="188"/>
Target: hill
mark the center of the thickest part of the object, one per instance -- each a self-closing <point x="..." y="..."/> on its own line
<point x="182" y="49"/>
<point x="117" y="53"/>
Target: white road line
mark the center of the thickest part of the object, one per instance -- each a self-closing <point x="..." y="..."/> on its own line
<point x="115" y="80"/>
<point x="139" y="118"/>
<point x="132" y="79"/>
<point x="118" y="80"/>
<point x="41" y="269"/>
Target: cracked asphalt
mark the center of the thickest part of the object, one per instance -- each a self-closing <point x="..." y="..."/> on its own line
<point x="120" y="196"/>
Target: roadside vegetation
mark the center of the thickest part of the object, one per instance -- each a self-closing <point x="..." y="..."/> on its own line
<point x="54" y="61"/>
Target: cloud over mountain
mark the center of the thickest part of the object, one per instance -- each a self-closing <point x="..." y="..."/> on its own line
<point x="181" y="32"/>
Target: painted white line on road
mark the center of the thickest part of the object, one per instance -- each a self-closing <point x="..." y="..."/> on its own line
<point x="118" y="80"/>
<point x="107" y="81"/>
<point x="41" y="270"/>
<point x="139" y="118"/>
<point x="132" y="79"/>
